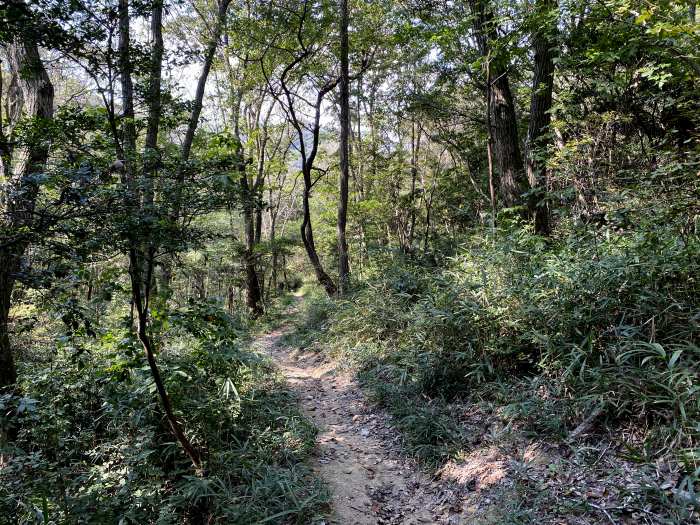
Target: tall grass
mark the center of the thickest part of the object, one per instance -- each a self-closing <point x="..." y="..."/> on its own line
<point x="93" y="445"/>
<point x="596" y="325"/>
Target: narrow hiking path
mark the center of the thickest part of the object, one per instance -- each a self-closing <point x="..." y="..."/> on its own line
<point x="504" y="476"/>
<point x="358" y="453"/>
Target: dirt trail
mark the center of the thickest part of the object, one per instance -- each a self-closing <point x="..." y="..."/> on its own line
<point x="502" y="474"/>
<point x="358" y="454"/>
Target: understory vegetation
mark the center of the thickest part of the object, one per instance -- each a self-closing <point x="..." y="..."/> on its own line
<point x="91" y="443"/>
<point x="492" y="207"/>
<point x="593" y="333"/>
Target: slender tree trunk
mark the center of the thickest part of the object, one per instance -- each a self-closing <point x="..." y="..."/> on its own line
<point x="308" y="149"/>
<point x="151" y="154"/>
<point x="415" y="149"/>
<point x="258" y="185"/>
<point x="306" y="228"/>
<point x="307" y="236"/>
<point x="141" y="304"/>
<point x="256" y="197"/>
<point x="538" y="136"/>
<point x="253" y="294"/>
<point x="513" y="182"/>
<point x="193" y="122"/>
<point x="199" y="93"/>
<point x="489" y="151"/>
<point x="284" y="272"/>
<point x="343" y="257"/>
<point x="141" y="260"/>
<point x="373" y="139"/>
<point x="252" y="214"/>
<point x="273" y="233"/>
<point x="428" y="209"/>
<point x="128" y="146"/>
<point x="258" y="220"/>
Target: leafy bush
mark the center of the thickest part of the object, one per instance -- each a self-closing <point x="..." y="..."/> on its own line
<point x="596" y="322"/>
<point x="93" y="445"/>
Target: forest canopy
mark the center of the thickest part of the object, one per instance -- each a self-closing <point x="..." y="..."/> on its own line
<point x="484" y="212"/>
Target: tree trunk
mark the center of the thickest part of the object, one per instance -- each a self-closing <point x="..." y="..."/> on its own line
<point x="141" y="303"/>
<point x="150" y="153"/>
<point x="253" y="294"/>
<point x="509" y="160"/>
<point x="540" y="105"/>
<point x="8" y="372"/>
<point x="32" y="91"/>
<point x="141" y="260"/>
<point x="489" y="153"/>
<point x="308" y="158"/>
<point x="415" y="149"/>
<point x="128" y="146"/>
<point x="199" y="93"/>
<point x="308" y="135"/>
<point x="193" y="123"/>
<point x="307" y="236"/>
<point x="343" y="257"/>
<point x="273" y="233"/>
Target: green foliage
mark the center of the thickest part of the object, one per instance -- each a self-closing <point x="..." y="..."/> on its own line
<point x="456" y="299"/>
<point x="600" y="322"/>
<point x="93" y="446"/>
<point x="312" y="319"/>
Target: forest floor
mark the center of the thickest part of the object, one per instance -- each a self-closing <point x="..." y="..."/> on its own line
<point x="505" y="478"/>
<point x="358" y="454"/>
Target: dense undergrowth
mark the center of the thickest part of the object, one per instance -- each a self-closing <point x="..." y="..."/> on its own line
<point x="596" y="331"/>
<point x="93" y="445"/>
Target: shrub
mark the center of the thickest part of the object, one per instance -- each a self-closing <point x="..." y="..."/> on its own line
<point x="93" y="445"/>
<point x="605" y="322"/>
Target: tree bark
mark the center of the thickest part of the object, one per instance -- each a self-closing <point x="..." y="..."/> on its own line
<point x="151" y="154"/>
<point x="193" y="123"/>
<point x="253" y="294"/>
<point x="186" y="147"/>
<point x="538" y="136"/>
<point x="273" y="241"/>
<point x="308" y="156"/>
<point x="308" y="146"/>
<point x="343" y="256"/>
<point x="8" y="269"/>
<point x="141" y="304"/>
<point x="33" y="92"/>
<point x="307" y="236"/>
<point x="489" y="152"/>
<point x="415" y="149"/>
<point x="128" y="145"/>
<point x="513" y="182"/>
